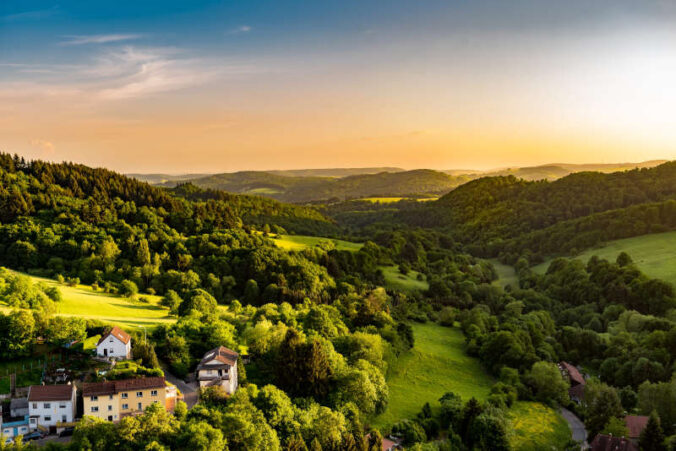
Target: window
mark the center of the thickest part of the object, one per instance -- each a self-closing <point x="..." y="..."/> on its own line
<point x="153" y="392"/>
<point x="110" y="408"/>
<point x="47" y="405"/>
<point x="139" y="394"/>
<point x="93" y="398"/>
<point x="48" y="418"/>
<point x="64" y="418"/>
<point x="125" y="395"/>
<point x="62" y="405"/>
<point x="110" y="397"/>
<point x="95" y="408"/>
<point x="35" y="405"/>
<point x="112" y="351"/>
<point x="111" y="339"/>
<point x="140" y="406"/>
<point x="125" y="406"/>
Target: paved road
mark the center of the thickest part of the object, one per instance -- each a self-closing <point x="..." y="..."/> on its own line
<point x="189" y="391"/>
<point x="52" y="439"/>
<point x="576" y="426"/>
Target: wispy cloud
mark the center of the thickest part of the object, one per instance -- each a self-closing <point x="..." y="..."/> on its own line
<point x="121" y="73"/>
<point x="29" y="15"/>
<point x="99" y="38"/>
<point x="241" y="29"/>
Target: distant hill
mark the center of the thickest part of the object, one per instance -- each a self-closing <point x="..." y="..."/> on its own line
<point x="157" y="179"/>
<point x="315" y="189"/>
<point x="557" y="170"/>
<point x="507" y="215"/>
<point x="168" y="179"/>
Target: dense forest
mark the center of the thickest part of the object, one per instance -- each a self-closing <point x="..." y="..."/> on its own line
<point x="321" y="327"/>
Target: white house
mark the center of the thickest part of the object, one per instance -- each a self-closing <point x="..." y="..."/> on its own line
<point x="51" y="404"/>
<point x="115" y="344"/>
<point x="218" y="367"/>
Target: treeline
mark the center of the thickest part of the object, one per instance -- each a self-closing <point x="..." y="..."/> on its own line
<point x="507" y="215"/>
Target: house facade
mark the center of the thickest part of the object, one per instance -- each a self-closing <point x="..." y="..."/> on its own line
<point x="51" y="404"/>
<point x="14" y="427"/>
<point x="115" y="400"/>
<point x="218" y="367"/>
<point x="576" y="380"/>
<point x="114" y="344"/>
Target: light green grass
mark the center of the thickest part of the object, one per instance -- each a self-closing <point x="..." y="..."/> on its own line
<point x="436" y="365"/>
<point x="654" y="254"/>
<point x="397" y="280"/>
<point x="84" y="302"/>
<point x="389" y="200"/>
<point x="535" y="427"/>
<point x="506" y="274"/>
<point x="268" y="191"/>
<point x="300" y="242"/>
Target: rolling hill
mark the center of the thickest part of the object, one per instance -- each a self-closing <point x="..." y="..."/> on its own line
<point x="304" y="189"/>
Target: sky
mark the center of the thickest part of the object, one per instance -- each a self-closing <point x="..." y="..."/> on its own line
<point x="219" y="86"/>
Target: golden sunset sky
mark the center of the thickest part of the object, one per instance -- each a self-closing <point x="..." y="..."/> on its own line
<point x="215" y="86"/>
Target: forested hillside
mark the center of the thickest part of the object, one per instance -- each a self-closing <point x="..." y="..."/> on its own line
<point x="303" y="189"/>
<point x="506" y="215"/>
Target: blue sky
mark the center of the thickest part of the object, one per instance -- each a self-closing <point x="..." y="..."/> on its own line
<point x="323" y="83"/>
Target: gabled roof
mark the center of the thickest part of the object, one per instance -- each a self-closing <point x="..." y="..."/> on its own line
<point x="573" y="373"/>
<point x="635" y="424"/>
<point x="604" y="442"/>
<point x="220" y="354"/>
<point x="113" y="387"/>
<point x="118" y="333"/>
<point x="50" y="392"/>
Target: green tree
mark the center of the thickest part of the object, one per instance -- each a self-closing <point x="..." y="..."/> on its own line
<point x="652" y="437"/>
<point x="548" y="385"/>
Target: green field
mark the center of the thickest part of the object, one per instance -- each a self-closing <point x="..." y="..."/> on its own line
<point x="437" y="364"/>
<point x="654" y="254"/>
<point x="535" y="426"/>
<point x="397" y="280"/>
<point x="389" y="200"/>
<point x="506" y="274"/>
<point x="300" y="242"/>
<point x="84" y="302"/>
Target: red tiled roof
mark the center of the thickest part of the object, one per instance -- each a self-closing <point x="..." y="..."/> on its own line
<point x="113" y="387"/>
<point x="388" y="444"/>
<point x="50" y="392"/>
<point x="118" y="333"/>
<point x="635" y="424"/>
<point x="220" y="354"/>
<point x="573" y="373"/>
<point x="604" y="442"/>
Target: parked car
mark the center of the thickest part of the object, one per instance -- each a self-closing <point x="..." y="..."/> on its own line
<point x="9" y="441"/>
<point x="35" y="435"/>
<point x="66" y="432"/>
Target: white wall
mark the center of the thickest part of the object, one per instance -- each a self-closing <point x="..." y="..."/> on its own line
<point x="115" y="348"/>
<point x="55" y="410"/>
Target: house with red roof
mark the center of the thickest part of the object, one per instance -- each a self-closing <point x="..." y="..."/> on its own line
<point x="576" y="380"/>
<point x="635" y="425"/>
<point x="114" y="344"/>
<point x="218" y="367"/>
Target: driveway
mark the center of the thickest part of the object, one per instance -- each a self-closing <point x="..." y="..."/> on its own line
<point x="189" y="390"/>
<point x="576" y="426"/>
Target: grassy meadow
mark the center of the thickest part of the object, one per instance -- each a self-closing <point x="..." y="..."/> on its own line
<point x="300" y="242"/>
<point x="535" y="426"/>
<point x="506" y="274"/>
<point x="399" y="281"/>
<point x="390" y="200"/>
<point x="83" y="301"/>
<point x="654" y="254"/>
<point x="437" y="364"/>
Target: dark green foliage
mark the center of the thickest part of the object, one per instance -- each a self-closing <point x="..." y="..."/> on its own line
<point x="652" y="438"/>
